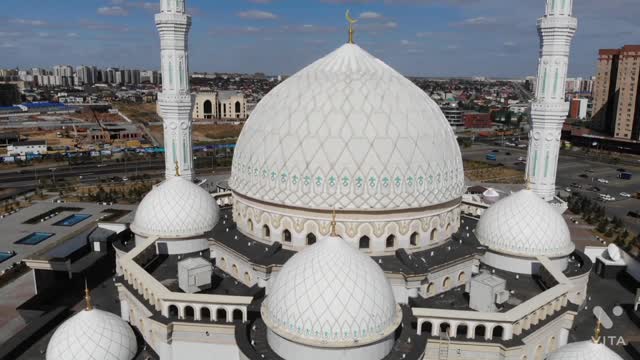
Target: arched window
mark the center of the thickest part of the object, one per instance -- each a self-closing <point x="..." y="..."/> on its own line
<point x="426" y="328"/>
<point x="434" y="235"/>
<point x="189" y="313"/>
<point x="481" y="331"/>
<point x="247" y="277"/>
<point x="237" y="315"/>
<point x="364" y="242"/>
<point x="311" y="239"/>
<point x="221" y="315"/>
<point x="391" y="241"/>
<point x="250" y="225"/>
<point x="497" y="332"/>
<point x="234" y="269"/>
<point x="444" y="328"/>
<point x="205" y="314"/>
<point x="461" y="331"/>
<point x="224" y="110"/>
<point x="223" y="263"/>
<point x="266" y="232"/>
<point x="539" y="353"/>
<point x="552" y="344"/>
<point x="462" y="277"/>
<point x="238" y="107"/>
<point x="446" y="283"/>
<point x="448" y="230"/>
<point x="173" y="311"/>
<point x="431" y="289"/>
<point x="207" y="109"/>
<point x="286" y="235"/>
<point x="413" y="240"/>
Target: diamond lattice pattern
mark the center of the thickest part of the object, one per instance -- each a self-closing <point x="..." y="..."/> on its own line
<point x="331" y="292"/>
<point x="93" y="335"/>
<point x="176" y="208"/>
<point x="348" y="131"/>
<point x="525" y="225"/>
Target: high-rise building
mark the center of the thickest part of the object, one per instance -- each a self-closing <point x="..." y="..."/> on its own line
<point x="617" y="92"/>
<point x="549" y="110"/>
<point x="175" y="99"/>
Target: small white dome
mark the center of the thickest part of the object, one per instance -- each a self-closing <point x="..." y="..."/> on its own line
<point x="177" y="208"/>
<point x="584" y="350"/>
<point x="348" y="131"/>
<point x="523" y="224"/>
<point x="330" y="294"/>
<point x="90" y="335"/>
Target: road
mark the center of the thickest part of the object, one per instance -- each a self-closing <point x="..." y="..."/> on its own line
<point x="27" y="177"/>
<point x="570" y="170"/>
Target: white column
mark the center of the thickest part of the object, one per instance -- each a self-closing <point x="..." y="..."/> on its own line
<point x="549" y="110"/>
<point x="175" y="100"/>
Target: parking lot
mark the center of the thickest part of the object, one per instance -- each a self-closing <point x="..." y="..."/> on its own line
<point x="572" y="170"/>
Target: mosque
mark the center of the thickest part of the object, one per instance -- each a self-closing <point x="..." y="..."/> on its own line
<point x="343" y="235"/>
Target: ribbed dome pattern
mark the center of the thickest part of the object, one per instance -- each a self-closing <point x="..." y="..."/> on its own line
<point x="348" y="131"/>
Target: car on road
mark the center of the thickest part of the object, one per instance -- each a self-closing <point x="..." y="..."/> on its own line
<point x="621" y="170"/>
<point x="522" y="158"/>
<point x="584" y="176"/>
<point x="495" y="150"/>
<point x="507" y="153"/>
<point x="125" y="179"/>
<point x="567" y="189"/>
<point x="594" y="189"/>
<point x="603" y="181"/>
<point x="625" y="194"/>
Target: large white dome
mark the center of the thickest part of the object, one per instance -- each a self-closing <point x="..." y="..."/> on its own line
<point x="348" y="131"/>
<point x="330" y="293"/>
<point x="585" y="350"/>
<point x="523" y="224"/>
<point x="177" y="208"/>
<point x="90" y="335"/>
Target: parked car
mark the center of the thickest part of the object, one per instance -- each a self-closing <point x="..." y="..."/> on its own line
<point x="624" y="194"/>
<point x="567" y="189"/>
<point x="522" y="158"/>
<point x="603" y="181"/>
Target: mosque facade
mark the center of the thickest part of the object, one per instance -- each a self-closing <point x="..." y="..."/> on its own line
<point x="343" y="237"/>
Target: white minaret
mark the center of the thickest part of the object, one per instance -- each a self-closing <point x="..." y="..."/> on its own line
<point x="549" y="110"/>
<point x="175" y="100"/>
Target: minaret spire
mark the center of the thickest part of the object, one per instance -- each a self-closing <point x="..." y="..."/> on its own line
<point x="175" y="100"/>
<point x="549" y="110"/>
<point x="87" y="296"/>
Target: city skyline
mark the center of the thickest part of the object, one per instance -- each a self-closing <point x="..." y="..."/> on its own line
<point x="420" y="38"/>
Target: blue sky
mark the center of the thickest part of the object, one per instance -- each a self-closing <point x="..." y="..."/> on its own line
<point x="417" y="37"/>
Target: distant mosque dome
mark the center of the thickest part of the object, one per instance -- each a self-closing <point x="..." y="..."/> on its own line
<point x="348" y="132"/>
<point x="584" y="350"/>
<point x="490" y="196"/>
<point x="92" y="334"/>
<point x="177" y="208"/>
<point x="523" y="224"/>
<point x="331" y="295"/>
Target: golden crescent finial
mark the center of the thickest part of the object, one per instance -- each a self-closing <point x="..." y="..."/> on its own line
<point x="597" y="332"/>
<point x="177" y="169"/>
<point x="351" y="21"/>
<point x="87" y="296"/>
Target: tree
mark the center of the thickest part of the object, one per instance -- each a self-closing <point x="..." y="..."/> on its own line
<point x="602" y="225"/>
